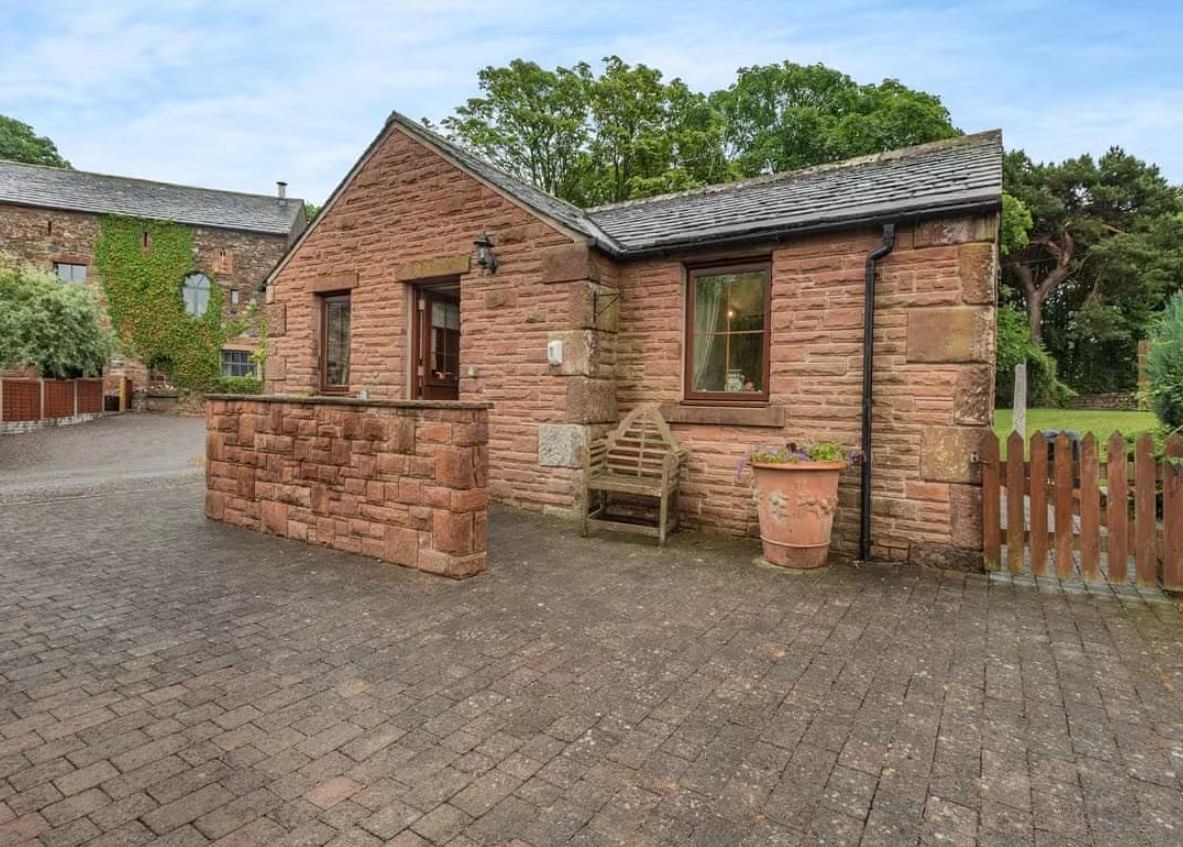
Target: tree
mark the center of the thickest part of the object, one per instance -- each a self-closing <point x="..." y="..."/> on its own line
<point x="788" y="116"/>
<point x="52" y="325"/>
<point x="647" y="136"/>
<point x="626" y="132"/>
<point x="1076" y="206"/>
<point x="19" y="143"/>
<point x="530" y="122"/>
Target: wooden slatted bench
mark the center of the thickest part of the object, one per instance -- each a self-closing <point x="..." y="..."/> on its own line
<point x="641" y="457"/>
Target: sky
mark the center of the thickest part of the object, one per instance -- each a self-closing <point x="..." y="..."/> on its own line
<point x="236" y="94"/>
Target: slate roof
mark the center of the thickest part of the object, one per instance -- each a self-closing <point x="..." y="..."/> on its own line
<point x="79" y="191"/>
<point x="958" y="173"/>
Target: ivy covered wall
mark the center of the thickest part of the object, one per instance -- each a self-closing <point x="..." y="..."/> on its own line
<point x="142" y="264"/>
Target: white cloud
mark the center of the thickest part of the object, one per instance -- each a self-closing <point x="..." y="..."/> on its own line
<point x="235" y="95"/>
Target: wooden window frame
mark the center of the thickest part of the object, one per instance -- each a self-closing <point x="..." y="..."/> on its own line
<point x="323" y="342"/>
<point x="725" y="398"/>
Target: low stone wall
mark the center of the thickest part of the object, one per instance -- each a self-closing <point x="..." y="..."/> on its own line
<point x="1116" y="402"/>
<point x="400" y="481"/>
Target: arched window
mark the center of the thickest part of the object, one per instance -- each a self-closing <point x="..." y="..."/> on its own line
<point x="195" y="293"/>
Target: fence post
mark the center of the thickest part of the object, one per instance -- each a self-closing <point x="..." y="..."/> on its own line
<point x="1090" y="511"/>
<point x="41" y="401"/>
<point x="75" y="398"/>
<point x="1015" y="502"/>
<point x="1145" y="482"/>
<point x="1117" y="483"/>
<point x="1172" y="515"/>
<point x="1037" y="471"/>
<point x="1" y="400"/>
<point x="1020" y="416"/>
<point x="1065" y="563"/>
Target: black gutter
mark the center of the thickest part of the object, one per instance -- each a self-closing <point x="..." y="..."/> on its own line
<point x="864" y="538"/>
<point x="775" y="234"/>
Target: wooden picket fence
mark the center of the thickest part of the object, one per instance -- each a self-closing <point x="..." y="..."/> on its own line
<point x="1101" y="512"/>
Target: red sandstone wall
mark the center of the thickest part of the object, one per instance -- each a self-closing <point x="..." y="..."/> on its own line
<point x="239" y="260"/>
<point x="411" y="216"/>
<point x="408" y="217"/>
<point x="933" y="382"/>
<point x="402" y="482"/>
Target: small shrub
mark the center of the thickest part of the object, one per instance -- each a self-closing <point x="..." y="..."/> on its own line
<point x="1164" y="365"/>
<point x="238" y="385"/>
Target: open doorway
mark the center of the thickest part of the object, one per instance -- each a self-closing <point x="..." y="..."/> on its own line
<point x="435" y="342"/>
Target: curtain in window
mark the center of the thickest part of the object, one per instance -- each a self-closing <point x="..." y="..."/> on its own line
<point x="709" y="296"/>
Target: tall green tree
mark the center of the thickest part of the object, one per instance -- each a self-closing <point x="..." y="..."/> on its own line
<point x="1104" y="252"/>
<point x="19" y="143"/>
<point x="593" y="137"/>
<point x="52" y="325"/>
<point x="647" y="136"/>
<point x="1076" y="206"/>
<point x="625" y="131"/>
<point x="531" y="122"/>
<point x="788" y="116"/>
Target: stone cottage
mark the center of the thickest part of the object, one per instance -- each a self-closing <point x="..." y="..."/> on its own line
<point x="51" y="217"/>
<point x="739" y="308"/>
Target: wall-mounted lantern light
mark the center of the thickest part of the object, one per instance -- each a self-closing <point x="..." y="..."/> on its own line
<point x="485" y="257"/>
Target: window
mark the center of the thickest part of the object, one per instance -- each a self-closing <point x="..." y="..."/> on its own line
<point x="727" y="333"/>
<point x="238" y="363"/>
<point x="195" y="293"/>
<point x="334" y="343"/>
<point x="69" y="272"/>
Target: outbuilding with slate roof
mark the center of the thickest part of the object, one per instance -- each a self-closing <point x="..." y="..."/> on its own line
<point x="739" y="309"/>
<point x="51" y="217"/>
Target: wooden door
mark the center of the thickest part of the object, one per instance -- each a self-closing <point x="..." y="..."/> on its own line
<point x="437" y="345"/>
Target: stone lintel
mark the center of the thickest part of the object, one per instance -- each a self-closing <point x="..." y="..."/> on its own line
<point x="334" y="282"/>
<point x="432" y="268"/>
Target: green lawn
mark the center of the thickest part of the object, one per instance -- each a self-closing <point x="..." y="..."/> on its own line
<point x="1100" y="424"/>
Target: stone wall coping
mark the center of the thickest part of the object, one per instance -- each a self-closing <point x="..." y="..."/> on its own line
<point x="456" y="405"/>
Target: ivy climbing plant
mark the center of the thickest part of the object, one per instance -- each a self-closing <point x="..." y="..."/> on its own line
<point x="143" y="264"/>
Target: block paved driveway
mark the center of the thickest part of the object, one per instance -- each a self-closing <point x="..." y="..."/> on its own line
<point x="168" y="680"/>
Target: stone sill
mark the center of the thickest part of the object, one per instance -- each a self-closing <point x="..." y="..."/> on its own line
<point x="688" y="413"/>
<point x="462" y="405"/>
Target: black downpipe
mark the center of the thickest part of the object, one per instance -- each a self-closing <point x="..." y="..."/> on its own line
<point x="864" y="540"/>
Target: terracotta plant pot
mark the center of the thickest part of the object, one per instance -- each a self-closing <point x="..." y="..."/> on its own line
<point x="796" y="502"/>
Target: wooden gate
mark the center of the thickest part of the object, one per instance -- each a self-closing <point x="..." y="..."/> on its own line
<point x="1070" y="514"/>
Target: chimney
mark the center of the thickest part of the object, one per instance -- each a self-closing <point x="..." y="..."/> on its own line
<point x="282" y="189"/>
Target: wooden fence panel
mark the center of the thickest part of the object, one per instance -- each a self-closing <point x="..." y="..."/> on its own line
<point x="1015" y="487"/>
<point x="90" y="396"/>
<point x="1145" y="481"/>
<point x="1039" y="504"/>
<point x="1116" y="514"/>
<point x="1090" y="511"/>
<point x="1063" y="459"/>
<point x="991" y="503"/>
<point x="22" y="400"/>
<point x="59" y="398"/>
<point x="1172" y="515"/>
